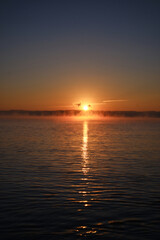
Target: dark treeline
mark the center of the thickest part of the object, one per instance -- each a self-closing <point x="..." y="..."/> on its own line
<point x="154" y="114"/>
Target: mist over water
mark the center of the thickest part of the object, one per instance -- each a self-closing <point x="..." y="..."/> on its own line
<point x="79" y="113"/>
<point x="79" y="179"/>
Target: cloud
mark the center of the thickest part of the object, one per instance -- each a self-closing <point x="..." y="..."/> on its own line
<point x="109" y="101"/>
<point x="115" y="100"/>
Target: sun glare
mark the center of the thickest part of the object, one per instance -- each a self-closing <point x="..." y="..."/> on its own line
<point x="85" y="108"/>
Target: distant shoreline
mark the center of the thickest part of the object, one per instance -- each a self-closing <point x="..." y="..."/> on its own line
<point x="152" y="114"/>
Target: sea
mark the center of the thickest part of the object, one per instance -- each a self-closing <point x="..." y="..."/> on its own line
<point x="79" y="178"/>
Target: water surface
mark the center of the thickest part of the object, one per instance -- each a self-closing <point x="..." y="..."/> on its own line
<point x="87" y="179"/>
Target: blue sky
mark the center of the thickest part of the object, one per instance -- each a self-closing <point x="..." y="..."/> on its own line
<point x="55" y="53"/>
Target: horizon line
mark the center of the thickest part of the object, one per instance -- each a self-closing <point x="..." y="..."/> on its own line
<point x="77" y="113"/>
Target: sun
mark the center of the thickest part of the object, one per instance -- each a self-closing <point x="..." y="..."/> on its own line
<point x="85" y="108"/>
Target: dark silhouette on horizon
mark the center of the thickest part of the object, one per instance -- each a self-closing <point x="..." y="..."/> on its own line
<point x="153" y="114"/>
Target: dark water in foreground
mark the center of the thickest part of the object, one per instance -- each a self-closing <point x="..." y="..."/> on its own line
<point x="79" y="179"/>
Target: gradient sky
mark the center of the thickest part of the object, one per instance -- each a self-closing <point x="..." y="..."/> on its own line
<point x="56" y="53"/>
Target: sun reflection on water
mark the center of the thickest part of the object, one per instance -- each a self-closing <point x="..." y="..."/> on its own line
<point x="83" y="230"/>
<point x="85" y="168"/>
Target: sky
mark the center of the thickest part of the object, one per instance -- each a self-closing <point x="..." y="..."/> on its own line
<point x="55" y="54"/>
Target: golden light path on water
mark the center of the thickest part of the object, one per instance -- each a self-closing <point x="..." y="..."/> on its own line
<point x="85" y="159"/>
<point x="84" y="230"/>
<point x="85" y="169"/>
